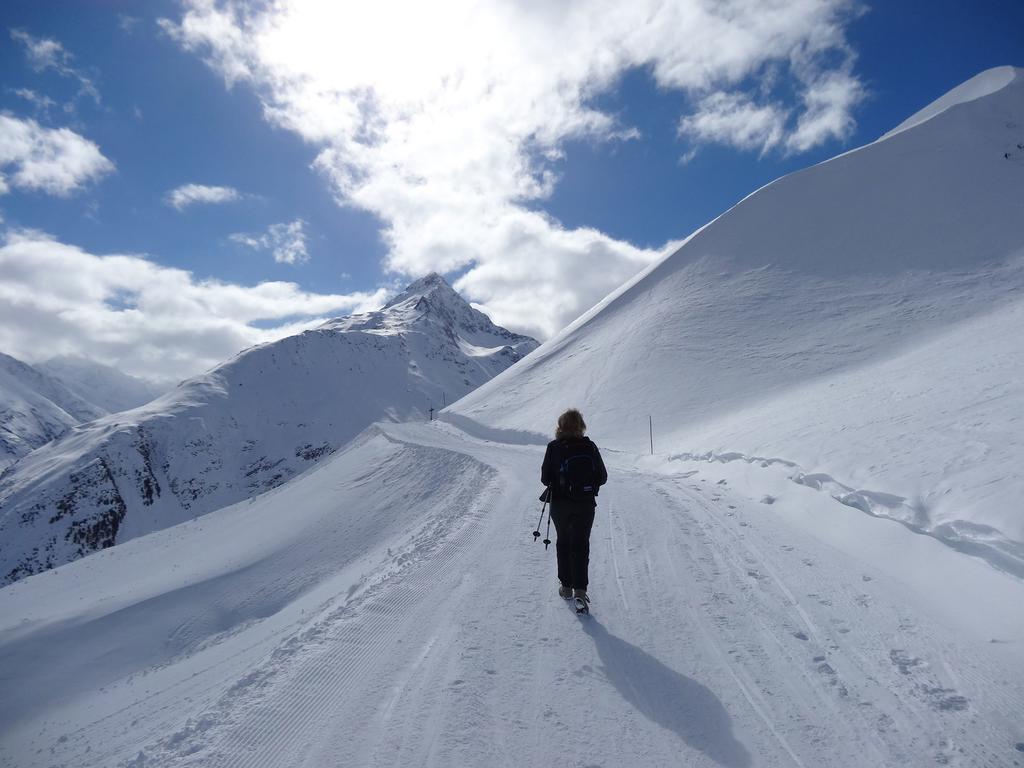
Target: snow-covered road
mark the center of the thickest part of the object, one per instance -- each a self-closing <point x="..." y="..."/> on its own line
<point x="391" y="608"/>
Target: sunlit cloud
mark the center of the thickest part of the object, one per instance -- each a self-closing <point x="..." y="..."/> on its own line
<point x="446" y="120"/>
<point x="191" y="194"/>
<point x="57" y="161"/>
<point x="286" y="241"/>
<point x="147" y="319"/>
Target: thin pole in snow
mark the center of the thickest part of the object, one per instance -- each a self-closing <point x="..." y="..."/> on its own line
<point x="431" y="413"/>
<point x="650" y="425"/>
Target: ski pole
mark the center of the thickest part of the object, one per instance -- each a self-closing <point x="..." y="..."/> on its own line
<point x="547" y="537"/>
<point x="536" y="532"/>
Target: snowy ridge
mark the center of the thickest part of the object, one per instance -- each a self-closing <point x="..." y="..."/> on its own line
<point x="35" y="408"/>
<point x="983" y="84"/>
<point x="855" y="318"/>
<point x="246" y="427"/>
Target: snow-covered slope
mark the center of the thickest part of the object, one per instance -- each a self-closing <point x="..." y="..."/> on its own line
<point x="102" y="385"/>
<point x="247" y="426"/>
<point x="858" y="320"/>
<point x="390" y="608"/>
<point x="35" y="408"/>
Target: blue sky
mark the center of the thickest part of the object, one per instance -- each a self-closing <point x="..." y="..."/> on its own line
<point x="538" y="160"/>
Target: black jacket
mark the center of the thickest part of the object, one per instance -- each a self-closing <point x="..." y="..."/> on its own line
<point x="557" y="451"/>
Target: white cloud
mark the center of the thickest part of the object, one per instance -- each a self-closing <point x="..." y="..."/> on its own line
<point x="287" y="241"/>
<point x="48" y="54"/>
<point x="128" y="24"/>
<point x="40" y="102"/>
<point x="733" y="118"/>
<point x="827" y="101"/>
<point x="53" y="160"/>
<point x="148" y="319"/>
<point x="444" y="119"/>
<point x="530" y="291"/>
<point x="190" y="194"/>
<point x="828" y="107"/>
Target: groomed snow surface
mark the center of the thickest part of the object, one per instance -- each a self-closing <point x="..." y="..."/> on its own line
<point x="391" y="607"/>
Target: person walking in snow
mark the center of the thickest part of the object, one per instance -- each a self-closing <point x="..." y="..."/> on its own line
<point x="572" y="473"/>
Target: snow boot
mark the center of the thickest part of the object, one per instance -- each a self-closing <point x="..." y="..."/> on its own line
<point x="564" y="591"/>
<point x="581" y="600"/>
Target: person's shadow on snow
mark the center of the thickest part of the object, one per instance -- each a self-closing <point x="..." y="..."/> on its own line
<point x="671" y="700"/>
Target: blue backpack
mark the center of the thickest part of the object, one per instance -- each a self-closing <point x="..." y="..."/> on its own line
<point x="577" y="477"/>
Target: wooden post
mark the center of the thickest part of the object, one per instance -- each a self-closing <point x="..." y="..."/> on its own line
<point x="650" y="425"/>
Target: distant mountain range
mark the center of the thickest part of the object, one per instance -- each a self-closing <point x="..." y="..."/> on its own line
<point x="245" y="427"/>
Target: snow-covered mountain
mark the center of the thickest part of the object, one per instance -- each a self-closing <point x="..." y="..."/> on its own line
<point x="246" y="426"/>
<point x="110" y="389"/>
<point x="391" y="608"/>
<point x="858" y="322"/>
<point x="35" y="408"/>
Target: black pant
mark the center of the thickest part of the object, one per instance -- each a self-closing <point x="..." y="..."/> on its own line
<point x="572" y="541"/>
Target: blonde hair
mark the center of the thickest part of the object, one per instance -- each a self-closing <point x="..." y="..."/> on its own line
<point x="570" y="424"/>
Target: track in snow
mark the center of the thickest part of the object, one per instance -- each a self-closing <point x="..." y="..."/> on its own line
<point x="721" y="634"/>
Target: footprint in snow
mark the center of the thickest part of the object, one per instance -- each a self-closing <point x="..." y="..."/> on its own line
<point x="936" y="696"/>
<point x="828" y="672"/>
<point x="944" y="699"/>
<point x="841" y="628"/>
<point x="903" y="661"/>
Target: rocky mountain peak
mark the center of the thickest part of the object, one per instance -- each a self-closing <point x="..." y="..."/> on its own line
<point x="429" y="286"/>
<point x="430" y="305"/>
